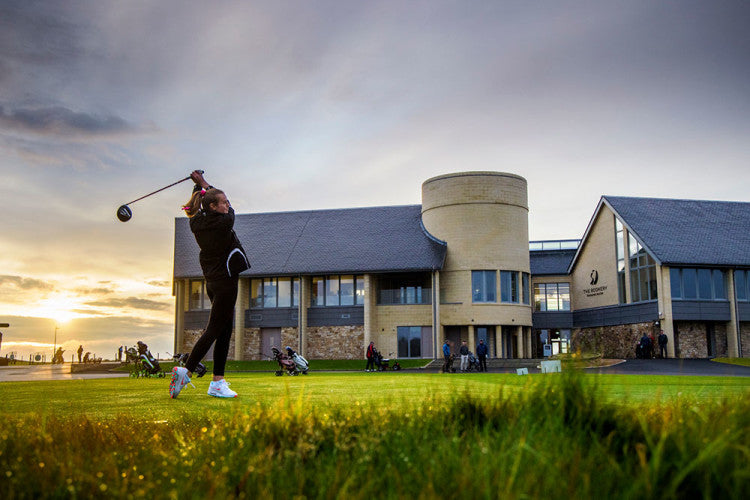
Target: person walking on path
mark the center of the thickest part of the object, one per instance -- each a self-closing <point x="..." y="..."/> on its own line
<point x="370" y="354"/>
<point x="222" y="259"/>
<point x="80" y="353"/>
<point x="482" y="355"/>
<point x="464" y="352"/>
<point x="663" y="340"/>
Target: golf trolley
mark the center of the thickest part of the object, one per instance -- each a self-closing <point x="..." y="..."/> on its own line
<point x="144" y="364"/>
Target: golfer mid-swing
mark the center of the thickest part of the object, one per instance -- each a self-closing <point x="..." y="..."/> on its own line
<point x="222" y="259"/>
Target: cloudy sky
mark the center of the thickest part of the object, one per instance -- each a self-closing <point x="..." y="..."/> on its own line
<point x="291" y="105"/>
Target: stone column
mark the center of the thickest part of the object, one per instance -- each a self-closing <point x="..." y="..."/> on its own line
<point x="180" y="293"/>
<point x="242" y="303"/>
<point x="527" y="334"/>
<point x="472" y="335"/>
<point x="519" y="342"/>
<point x="369" y="312"/>
<point x="304" y="303"/>
<point x="666" y="321"/>
<point x="437" y="329"/>
<point x="733" y="324"/>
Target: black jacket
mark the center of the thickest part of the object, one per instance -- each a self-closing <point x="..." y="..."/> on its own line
<point x="221" y="255"/>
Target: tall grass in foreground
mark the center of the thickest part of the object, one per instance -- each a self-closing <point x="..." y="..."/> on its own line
<point x="556" y="440"/>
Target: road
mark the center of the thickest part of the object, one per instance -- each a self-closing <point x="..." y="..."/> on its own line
<point x="18" y="373"/>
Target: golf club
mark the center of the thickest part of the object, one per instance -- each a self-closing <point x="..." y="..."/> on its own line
<point x="124" y="213"/>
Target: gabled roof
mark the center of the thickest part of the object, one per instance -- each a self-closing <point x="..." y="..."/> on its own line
<point x="357" y="240"/>
<point x="550" y="262"/>
<point x="684" y="232"/>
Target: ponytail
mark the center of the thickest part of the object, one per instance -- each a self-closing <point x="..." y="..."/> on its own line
<point x="201" y="199"/>
<point x="193" y="206"/>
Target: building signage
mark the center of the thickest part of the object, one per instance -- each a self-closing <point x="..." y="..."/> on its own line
<point x="595" y="290"/>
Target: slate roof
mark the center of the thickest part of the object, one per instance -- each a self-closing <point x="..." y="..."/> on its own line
<point x="356" y="240"/>
<point x="551" y="262"/>
<point x="688" y="232"/>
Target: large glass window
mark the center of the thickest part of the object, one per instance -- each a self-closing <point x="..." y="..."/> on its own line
<point x="337" y="290"/>
<point x="552" y="297"/>
<point x="197" y="299"/>
<point x="404" y="288"/>
<point x="509" y="286"/>
<point x="269" y="292"/>
<point x="642" y="272"/>
<point x="697" y="284"/>
<point x="525" y="288"/>
<point x="274" y="292"/>
<point x="409" y="341"/>
<point x="285" y="292"/>
<point x="484" y="286"/>
<point x="740" y="284"/>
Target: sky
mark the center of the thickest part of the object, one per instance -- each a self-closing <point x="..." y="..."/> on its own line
<point x="297" y="105"/>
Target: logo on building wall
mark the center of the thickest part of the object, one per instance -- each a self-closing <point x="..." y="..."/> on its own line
<point x="594" y="277"/>
<point x="594" y="290"/>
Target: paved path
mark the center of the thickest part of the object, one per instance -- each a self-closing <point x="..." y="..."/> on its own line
<point x="48" y="372"/>
<point x="675" y="367"/>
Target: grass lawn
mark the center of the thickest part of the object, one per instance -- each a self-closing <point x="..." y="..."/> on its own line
<point x="379" y="435"/>
<point x="148" y="398"/>
<point x="733" y="361"/>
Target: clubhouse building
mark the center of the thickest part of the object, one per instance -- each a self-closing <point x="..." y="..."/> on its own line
<point x="460" y="267"/>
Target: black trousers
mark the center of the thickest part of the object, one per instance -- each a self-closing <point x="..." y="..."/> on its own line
<point x="483" y="363"/>
<point x="370" y="364"/>
<point x="223" y="295"/>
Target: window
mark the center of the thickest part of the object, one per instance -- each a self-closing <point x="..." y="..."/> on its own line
<point x="540" y="297"/>
<point x="697" y="284"/>
<point x="274" y="292"/>
<point x="404" y="288"/>
<point x="740" y="285"/>
<point x="509" y="286"/>
<point x="484" y="286"/>
<point x="338" y="290"/>
<point x="552" y="297"/>
<point x="269" y="292"/>
<point x="642" y="272"/>
<point x="525" y="288"/>
<point x="197" y="299"/>
<point x="409" y="341"/>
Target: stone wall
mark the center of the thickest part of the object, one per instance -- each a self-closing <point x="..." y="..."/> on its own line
<point x="251" y="344"/>
<point x="692" y="341"/>
<point x="189" y="339"/>
<point x="335" y="342"/>
<point x="745" y="339"/>
<point x="611" y="341"/>
<point x="289" y="337"/>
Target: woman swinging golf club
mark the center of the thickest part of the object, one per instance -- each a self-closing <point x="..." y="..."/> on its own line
<point x="222" y="259"/>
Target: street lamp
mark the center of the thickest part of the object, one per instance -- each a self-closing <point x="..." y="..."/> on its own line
<point x="55" y="348"/>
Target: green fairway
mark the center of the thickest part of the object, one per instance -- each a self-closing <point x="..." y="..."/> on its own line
<point x="149" y="399"/>
<point x="379" y="435"/>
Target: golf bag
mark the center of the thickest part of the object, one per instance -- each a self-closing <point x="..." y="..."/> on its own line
<point x="302" y="364"/>
<point x="145" y="365"/>
<point x="285" y="364"/>
<point x="448" y="365"/>
<point x="181" y="359"/>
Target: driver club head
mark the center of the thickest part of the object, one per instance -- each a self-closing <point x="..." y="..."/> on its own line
<point x="124" y="213"/>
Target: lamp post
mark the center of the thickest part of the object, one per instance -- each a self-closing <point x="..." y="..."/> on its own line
<point x="54" y="349"/>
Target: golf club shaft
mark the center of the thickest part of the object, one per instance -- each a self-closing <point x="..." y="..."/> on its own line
<point x="162" y="189"/>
